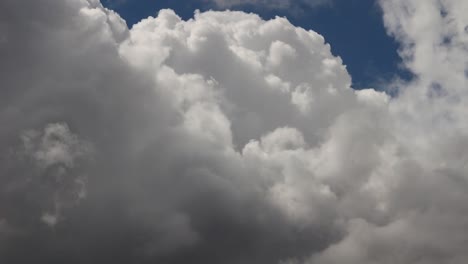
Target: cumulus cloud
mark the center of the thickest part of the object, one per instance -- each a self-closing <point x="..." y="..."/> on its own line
<point x="227" y="139"/>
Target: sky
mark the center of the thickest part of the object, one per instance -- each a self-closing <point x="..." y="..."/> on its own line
<point x="233" y="137"/>
<point x="355" y="27"/>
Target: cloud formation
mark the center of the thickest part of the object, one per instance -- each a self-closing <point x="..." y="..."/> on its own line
<point x="227" y="139"/>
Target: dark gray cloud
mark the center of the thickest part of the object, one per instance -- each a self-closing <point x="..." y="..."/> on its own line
<point x="225" y="139"/>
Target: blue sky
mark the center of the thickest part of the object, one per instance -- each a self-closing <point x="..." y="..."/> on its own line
<point x="353" y="28"/>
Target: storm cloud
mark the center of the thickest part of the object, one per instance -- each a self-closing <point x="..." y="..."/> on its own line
<point x="227" y="139"/>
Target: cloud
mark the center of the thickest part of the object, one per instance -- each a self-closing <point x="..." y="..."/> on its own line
<point x="226" y="139"/>
<point x="424" y="182"/>
<point x="54" y="153"/>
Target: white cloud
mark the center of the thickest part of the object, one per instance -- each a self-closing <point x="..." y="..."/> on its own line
<point x="226" y="137"/>
<point x="420" y="184"/>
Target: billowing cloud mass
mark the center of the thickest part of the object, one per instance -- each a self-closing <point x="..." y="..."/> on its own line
<point x="228" y="139"/>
